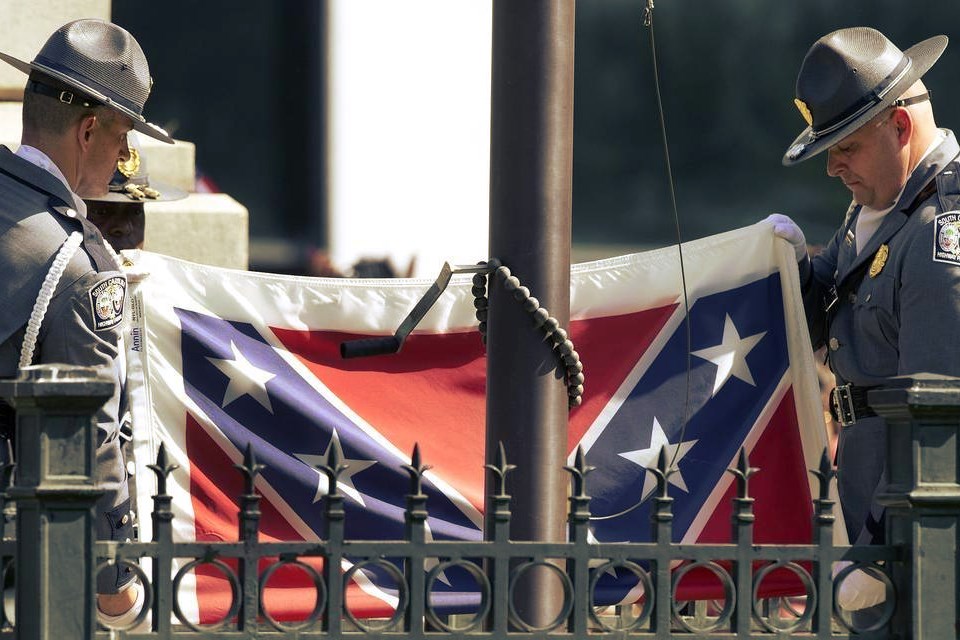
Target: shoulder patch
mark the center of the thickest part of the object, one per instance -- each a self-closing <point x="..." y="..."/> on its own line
<point x="946" y="238"/>
<point x="106" y="303"/>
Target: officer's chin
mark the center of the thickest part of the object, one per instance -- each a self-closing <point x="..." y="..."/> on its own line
<point x="92" y="190"/>
<point x="126" y="242"/>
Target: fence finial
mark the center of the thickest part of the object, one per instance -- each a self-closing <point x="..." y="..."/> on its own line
<point x="162" y="469"/>
<point x="825" y="473"/>
<point x="579" y="472"/>
<point x="250" y="469"/>
<point x="662" y="472"/>
<point x="501" y="469"/>
<point x="416" y="470"/>
<point x="333" y="466"/>
<point x="743" y="471"/>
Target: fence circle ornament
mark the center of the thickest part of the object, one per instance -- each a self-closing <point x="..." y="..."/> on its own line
<point x="648" y="592"/>
<point x="843" y="615"/>
<point x="729" y="595"/>
<point x="321" y="591"/>
<point x="566" y="606"/>
<point x="485" y="601"/>
<point x="403" y="594"/>
<point x="810" y="591"/>
<point x="234" y="594"/>
<point x="147" y="592"/>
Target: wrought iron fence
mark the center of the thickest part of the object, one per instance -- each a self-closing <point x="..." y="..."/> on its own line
<point x="56" y="557"/>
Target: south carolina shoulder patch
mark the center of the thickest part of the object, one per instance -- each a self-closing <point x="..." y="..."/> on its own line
<point x="106" y="303"/>
<point x="946" y="238"/>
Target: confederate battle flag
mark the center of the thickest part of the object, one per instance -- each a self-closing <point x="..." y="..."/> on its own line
<point x="221" y="360"/>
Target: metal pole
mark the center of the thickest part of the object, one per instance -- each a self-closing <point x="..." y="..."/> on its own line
<point x="55" y="492"/>
<point x="531" y="168"/>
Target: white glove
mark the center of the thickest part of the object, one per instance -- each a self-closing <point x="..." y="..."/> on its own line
<point x="859" y="589"/>
<point x="787" y="229"/>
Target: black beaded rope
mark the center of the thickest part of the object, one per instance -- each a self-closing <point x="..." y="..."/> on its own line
<point x="542" y="320"/>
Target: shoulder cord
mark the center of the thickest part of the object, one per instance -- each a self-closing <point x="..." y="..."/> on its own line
<point x="117" y="260"/>
<point x="47" y="289"/>
<point x="67" y="250"/>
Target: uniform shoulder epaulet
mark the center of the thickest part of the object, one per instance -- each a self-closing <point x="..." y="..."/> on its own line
<point x="948" y="186"/>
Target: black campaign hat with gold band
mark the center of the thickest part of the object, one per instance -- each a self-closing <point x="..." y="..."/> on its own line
<point x="131" y="182"/>
<point x="847" y="78"/>
<point x="100" y="60"/>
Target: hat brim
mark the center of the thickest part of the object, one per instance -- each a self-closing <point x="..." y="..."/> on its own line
<point x="923" y="56"/>
<point x="139" y="122"/>
<point x="167" y="193"/>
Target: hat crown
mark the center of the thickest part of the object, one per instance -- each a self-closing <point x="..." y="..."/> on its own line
<point x="846" y="70"/>
<point x="101" y="56"/>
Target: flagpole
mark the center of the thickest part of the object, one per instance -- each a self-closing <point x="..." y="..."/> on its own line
<point x="531" y="168"/>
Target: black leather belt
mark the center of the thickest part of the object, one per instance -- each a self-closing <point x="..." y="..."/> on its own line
<point x="849" y="404"/>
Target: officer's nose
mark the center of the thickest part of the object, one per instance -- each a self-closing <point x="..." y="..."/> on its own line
<point x="122" y="227"/>
<point x="124" y="150"/>
<point x="834" y="165"/>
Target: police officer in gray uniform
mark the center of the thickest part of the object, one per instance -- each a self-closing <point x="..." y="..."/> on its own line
<point x="62" y="287"/>
<point x="883" y="294"/>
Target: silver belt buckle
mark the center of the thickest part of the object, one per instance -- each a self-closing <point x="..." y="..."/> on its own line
<point x="842" y="401"/>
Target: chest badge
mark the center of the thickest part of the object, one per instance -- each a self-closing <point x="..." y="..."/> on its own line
<point x="879" y="260"/>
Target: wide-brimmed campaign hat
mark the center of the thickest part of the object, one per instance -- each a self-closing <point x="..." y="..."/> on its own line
<point x="848" y="77"/>
<point x="131" y="181"/>
<point x="103" y="62"/>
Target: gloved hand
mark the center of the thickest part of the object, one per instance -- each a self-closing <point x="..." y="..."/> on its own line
<point x="859" y="589"/>
<point x="787" y="229"/>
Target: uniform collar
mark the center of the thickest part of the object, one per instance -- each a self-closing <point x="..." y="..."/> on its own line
<point x="930" y="165"/>
<point x="38" y="158"/>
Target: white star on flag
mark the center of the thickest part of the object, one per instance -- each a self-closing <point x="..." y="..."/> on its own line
<point x="647" y="458"/>
<point x="730" y="355"/>
<point x="245" y="379"/>
<point x="345" y="481"/>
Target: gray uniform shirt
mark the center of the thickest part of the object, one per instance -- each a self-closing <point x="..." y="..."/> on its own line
<point x="82" y="323"/>
<point x="900" y="320"/>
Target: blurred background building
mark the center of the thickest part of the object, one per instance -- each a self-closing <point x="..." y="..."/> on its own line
<point x="272" y="93"/>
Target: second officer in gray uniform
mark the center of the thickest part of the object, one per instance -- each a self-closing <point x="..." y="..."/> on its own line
<point x="62" y="288"/>
<point x="884" y="295"/>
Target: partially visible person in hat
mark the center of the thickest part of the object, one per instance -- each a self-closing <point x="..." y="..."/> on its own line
<point x="119" y="212"/>
<point x="882" y="296"/>
<point x="85" y="91"/>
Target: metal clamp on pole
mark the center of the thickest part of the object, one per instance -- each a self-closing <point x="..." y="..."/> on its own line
<point x="562" y="345"/>
<point x="392" y="344"/>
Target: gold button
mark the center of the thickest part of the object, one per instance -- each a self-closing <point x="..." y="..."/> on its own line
<point x="125" y="519"/>
<point x="834" y="344"/>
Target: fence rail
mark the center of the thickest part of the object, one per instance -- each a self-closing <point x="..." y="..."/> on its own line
<point x="56" y="559"/>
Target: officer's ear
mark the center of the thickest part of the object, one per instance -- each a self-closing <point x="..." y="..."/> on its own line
<point x="87" y="125"/>
<point x="903" y="124"/>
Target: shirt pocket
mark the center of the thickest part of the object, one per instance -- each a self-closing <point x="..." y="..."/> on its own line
<point x="875" y="316"/>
